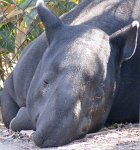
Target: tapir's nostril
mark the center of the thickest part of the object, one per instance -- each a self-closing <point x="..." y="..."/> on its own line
<point x="38" y="139"/>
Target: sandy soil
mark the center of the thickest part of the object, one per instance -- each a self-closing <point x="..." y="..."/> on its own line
<point x="116" y="137"/>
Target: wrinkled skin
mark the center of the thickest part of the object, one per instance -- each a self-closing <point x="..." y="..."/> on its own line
<point x="67" y="87"/>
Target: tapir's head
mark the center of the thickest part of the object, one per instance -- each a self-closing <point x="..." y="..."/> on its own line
<point x="71" y="92"/>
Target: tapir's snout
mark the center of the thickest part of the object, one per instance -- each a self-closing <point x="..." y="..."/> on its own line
<point x="54" y="130"/>
<point x="45" y="140"/>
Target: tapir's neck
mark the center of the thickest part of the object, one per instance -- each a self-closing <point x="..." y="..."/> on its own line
<point x="74" y="13"/>
<point x="87" y="9"/>
<point x="93" y="9"/>
<point x="102" y="13"/>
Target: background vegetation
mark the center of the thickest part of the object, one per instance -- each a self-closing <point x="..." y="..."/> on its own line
<point x="19" y="25"/>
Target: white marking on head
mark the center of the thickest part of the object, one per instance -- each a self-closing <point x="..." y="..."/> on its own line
<point x="39" y="2"/>
<point x="135" y="24"/>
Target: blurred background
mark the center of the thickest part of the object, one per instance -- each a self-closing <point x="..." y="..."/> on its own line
<point x="19" y="25"/>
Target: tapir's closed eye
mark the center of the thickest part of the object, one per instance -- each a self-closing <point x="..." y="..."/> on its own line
<point x="45" y="82"/>
<point x="48" y="78"/>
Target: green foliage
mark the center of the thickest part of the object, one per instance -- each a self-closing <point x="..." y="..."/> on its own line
<point x="20" y="25"/>
<point x="15" y="20"/>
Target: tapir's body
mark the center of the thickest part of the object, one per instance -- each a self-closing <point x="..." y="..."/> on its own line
<point x="32" y="79"/>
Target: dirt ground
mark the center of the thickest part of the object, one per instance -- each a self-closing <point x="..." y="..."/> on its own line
<point x="116" y="137"/>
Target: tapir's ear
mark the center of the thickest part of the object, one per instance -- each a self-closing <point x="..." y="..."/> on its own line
<point x="50" y="21"/>
<point x="126" y="40"/>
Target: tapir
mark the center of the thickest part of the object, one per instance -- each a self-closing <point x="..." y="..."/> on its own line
<point x="65" y="80"/>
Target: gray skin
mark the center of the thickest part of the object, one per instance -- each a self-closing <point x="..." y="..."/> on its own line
<point x="72" y="88"/>
<point x="69" y="89"/>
